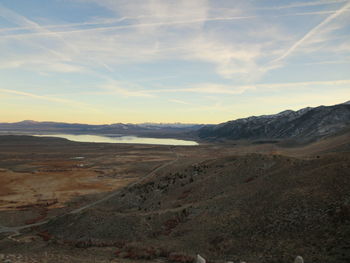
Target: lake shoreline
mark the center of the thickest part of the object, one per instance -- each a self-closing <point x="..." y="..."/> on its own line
<point x="120" y="138"/>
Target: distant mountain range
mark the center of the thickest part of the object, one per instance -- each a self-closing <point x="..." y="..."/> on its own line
<point x="306" y="123"/>
<point x="144" y="129"/>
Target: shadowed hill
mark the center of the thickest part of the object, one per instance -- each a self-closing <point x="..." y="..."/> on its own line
<point x="305" y="124"/>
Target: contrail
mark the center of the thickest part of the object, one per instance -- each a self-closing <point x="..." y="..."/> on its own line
<point x="305" y="4"/>
<point x="312" y="32"/>
<point x="102" y="29"/>
<point x="12" y="16"/>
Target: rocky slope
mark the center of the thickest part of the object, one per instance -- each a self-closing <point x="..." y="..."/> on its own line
<point x="308" y="123"/>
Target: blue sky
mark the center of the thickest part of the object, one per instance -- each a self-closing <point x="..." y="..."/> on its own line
<point x="193" y="61"/>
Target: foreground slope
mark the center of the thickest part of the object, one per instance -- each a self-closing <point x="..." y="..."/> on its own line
<point x="260" y="208"/>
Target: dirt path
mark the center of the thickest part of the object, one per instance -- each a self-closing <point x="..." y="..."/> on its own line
<point x="4" y="229"/>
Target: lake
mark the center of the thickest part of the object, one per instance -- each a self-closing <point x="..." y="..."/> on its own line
<point x="121" y="139"/>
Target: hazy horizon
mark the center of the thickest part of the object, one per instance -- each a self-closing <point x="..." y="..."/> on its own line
<point x="155" y="123"/>
<point x="198" y="61"/>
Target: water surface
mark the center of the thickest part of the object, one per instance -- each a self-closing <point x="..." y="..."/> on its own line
<point x="120" y="139"/>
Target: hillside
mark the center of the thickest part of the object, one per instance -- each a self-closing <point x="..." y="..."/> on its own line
<point x="258" y="208"/>
<point x="305" y="124"/>
<point x="256" y="202"/>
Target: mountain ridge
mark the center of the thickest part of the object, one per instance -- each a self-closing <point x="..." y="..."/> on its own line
<point x="307" y="123"/>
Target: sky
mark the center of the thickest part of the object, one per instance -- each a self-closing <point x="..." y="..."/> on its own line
<point x="190" y="61"/>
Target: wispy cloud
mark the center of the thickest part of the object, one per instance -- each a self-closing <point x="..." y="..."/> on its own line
<point x="105" y="26"/>
<point x="327" y="62"/>
<point x="212" y="88"/>
<point x="180" y="102"/>
<point x="304" y="84"/>
<point x="72" y="103"/>
<point x="146" y="37"/>
<point x="115" y="87"/>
